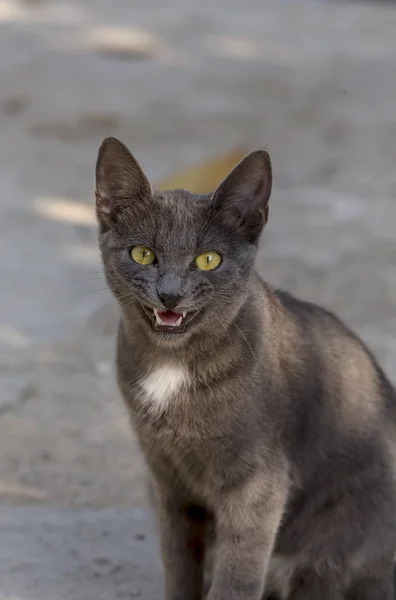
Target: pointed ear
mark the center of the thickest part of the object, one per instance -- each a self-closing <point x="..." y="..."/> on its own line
<point x="120" y="181"/>
<point x="242" y="197"/>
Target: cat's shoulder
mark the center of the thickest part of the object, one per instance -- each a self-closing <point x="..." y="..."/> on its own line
<point x="304" y="308"/>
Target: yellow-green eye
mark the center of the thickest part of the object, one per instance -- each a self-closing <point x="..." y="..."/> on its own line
<point x="207" y="261"/>
<point x="142" y="255"/>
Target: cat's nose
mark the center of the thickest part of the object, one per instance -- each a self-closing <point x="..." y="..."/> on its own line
<point x="170" y="299"/>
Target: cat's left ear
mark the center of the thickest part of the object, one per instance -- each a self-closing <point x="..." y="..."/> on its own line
<point x="242" y="197"/>
<point x="120" y="182"/>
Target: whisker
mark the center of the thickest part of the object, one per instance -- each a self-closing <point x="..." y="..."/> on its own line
<point x="224" y="327"/>
<point x="80" y="280"/>
<point x="88" y="293"/>
<point x="100" y="272"/>
<point x="102" y="306"/>
<point x="244" y="337"/>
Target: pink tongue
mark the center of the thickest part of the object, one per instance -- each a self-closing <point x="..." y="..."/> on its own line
<point x="169" y="317"/>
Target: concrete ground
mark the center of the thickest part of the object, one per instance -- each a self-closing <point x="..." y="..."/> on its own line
<point x="66" y="554"/>
<point x="313" y="81"/>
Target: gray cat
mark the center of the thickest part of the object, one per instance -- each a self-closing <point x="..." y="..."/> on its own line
<point x="267" y="426"/>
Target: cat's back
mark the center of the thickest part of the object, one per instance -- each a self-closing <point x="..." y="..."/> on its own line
<point x="309" y="314"/>
<point x="342" y="370"/>
<point x="320" y="330"/>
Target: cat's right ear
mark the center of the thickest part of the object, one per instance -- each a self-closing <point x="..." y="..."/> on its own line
<point x="242" y="197"/>
<point x="120" y="182"/>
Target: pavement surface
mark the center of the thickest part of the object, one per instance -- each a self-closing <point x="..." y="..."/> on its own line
<point x="55" y="554"/>
<point x="314" y="82"/>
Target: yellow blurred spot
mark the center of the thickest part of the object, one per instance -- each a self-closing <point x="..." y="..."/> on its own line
<point x="9" y="11"/>
<point x="124" y="42"/>
<point x="62" y="209"/>
<point x="204" y="177"/>
<point x="20" y="492"/>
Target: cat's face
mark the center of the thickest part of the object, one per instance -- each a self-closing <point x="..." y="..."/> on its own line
<point x="177" y="263"/>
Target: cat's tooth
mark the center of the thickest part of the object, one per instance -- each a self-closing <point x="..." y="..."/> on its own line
<point x="157" y="317"/>
<point x="184" y="314"/>
<point x="178" y="322"/>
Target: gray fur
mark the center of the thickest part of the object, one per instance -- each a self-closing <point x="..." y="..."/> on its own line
<point x="273" y="458"/>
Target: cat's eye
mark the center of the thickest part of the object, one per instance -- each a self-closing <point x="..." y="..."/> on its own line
<point x="142" y="255"/>
<point x="207" y="261"/>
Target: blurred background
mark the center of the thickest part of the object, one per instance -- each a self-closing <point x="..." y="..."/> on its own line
<point x="180" y="82"/>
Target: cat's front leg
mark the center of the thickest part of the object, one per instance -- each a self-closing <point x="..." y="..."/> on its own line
<point x="182" y="538"/>
<point x="247" y="521"/>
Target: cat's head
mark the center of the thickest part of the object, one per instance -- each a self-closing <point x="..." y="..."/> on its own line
<point x="179" y="263"/>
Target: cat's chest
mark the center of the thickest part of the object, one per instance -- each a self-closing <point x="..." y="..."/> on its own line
<point x="163" y="387"/>
<point x="167" y="423"/>
<point x="171" y="416"/>
<point x="181" y="429"/>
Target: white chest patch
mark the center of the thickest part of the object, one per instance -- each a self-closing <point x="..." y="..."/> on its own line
<point x="162" y="384"/>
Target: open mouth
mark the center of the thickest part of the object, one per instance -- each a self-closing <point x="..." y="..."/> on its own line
<point x="169" y="321"/>
<point x="169" y="318"/>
